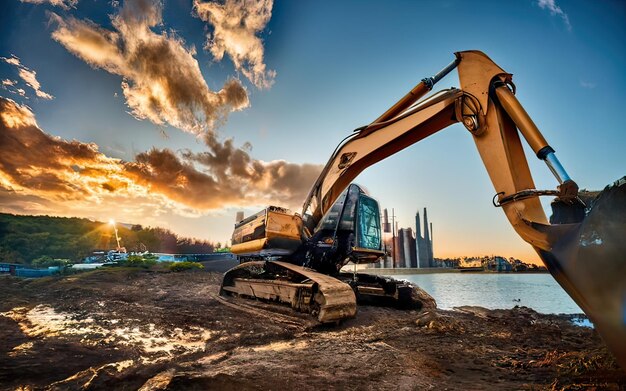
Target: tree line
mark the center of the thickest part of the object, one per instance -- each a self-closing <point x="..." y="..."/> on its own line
<point x="26" y="238"/>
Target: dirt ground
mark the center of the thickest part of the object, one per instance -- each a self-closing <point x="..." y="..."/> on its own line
<point x="150" y="330"/>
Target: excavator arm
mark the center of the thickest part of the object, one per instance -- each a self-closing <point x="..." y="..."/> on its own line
<point x="488" y="109"/>
<point x="583" y="250"/>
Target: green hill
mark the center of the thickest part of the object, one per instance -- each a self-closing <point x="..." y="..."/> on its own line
<point x="26" y="238"/>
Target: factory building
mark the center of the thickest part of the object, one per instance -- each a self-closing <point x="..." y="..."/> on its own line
<point x="398" y="249"/>
<point x="424" y="245"/>
<point x="405" y="249"/>
<point x="408" y="247"/>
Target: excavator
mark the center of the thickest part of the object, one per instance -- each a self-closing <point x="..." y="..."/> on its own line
<point x="296" y="258"/>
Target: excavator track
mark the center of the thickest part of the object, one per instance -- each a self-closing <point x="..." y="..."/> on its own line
<point x="306" y="290"/>
<point x="388" y="292"/>
<point x="272" y="312"/>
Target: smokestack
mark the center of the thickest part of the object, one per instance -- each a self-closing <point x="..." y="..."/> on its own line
<point x="407" y="246"/>
<point x="393" y="238"/>
<point x="418" y="223"/>
<point x="418" y="239"/>
<point x="399" y="246"/>
<point x="429" y="253"/>
<point x="239" y="216"/>
<point x="386" y="225"/>
<point x="426" y="235"/>
<point x="432" y="254"/>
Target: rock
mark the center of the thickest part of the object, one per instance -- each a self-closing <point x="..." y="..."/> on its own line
<point x="428" y="302"/>
<point x="438" y="322"/>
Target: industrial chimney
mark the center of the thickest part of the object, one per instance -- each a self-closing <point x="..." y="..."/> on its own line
<point x="386" y="225"/>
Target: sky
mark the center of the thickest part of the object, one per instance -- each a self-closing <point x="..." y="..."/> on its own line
<point x="179" y="113"/>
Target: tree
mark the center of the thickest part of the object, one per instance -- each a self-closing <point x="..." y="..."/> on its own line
<point x="23" y="239"/>
<point x="46" y="261"/>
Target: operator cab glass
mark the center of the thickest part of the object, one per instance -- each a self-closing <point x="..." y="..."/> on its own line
<point x="340" y="214"/>
<point x="356" y="214"/>
<point x="368" y="227"/>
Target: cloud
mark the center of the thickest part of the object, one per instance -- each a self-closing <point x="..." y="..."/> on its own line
<point x="27" y="75"/>
<point x="30" y="78"/>
<point x="11" y="86"/>
<point x="555" y="10"/>
<point x="223" y="176"/>
<point x="235" y="26"/>
<point x="35" y="162"/>
<point x="587" y="84"/>
<point x="40" y="173"/>
<point x="162" y="81"/>
<point x="162" y="171"/>
<point x="65" y="4"/>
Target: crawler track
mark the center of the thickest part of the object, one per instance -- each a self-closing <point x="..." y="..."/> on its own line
<point x="324" y="297"/>
<point x="269" y="311"/>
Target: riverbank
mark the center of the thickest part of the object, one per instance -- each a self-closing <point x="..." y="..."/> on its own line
<point x="128" y="329"/>
<point x="434" y="270"/>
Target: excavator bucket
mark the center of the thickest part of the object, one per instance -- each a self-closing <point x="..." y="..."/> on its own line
<point x="589" y="262"/>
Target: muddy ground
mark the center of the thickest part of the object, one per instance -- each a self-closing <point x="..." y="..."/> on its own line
<point x="139" y="329"/>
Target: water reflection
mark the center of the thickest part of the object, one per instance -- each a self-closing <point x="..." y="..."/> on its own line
<point x="496" y="291"/>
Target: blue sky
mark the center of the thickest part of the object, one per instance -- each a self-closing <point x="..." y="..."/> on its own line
<point x="338" y="66"/>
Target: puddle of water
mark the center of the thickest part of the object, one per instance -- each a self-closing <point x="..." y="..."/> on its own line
<point x="158" y="341"/>
<point x="44" y="322"/>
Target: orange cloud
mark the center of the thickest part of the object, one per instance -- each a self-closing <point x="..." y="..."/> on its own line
<point x="40" y="173"/>
<point x="235" y="25"/>
<point x="276" y="181"/>
<point x="223" y="176"/>
<point x="162" y="81"/>
<point x="36" y="163"/>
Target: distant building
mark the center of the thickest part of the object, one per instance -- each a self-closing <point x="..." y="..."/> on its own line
<point x="447" y="262"/>
<point x="407" y="250"/>
<point x="19" y="270"/>
<point x="409" y="255"/>
<point x="96" y="256"/>
<point x="398" y="247"/>
<point x="386" y="224"/>
<point x="387" y="260"/>
<point x="423" y="245"/>
<point x="498" y="264"/>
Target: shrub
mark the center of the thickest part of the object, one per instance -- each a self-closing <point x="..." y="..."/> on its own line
<point x="182" y="266"/>
<point x="46" y="261"/>
<point x="139" y="261"/>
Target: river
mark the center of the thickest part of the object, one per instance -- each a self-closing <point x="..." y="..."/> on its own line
<point x="496" y="291"/>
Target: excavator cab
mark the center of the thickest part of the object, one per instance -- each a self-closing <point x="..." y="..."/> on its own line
<point x="349" y="231"/>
